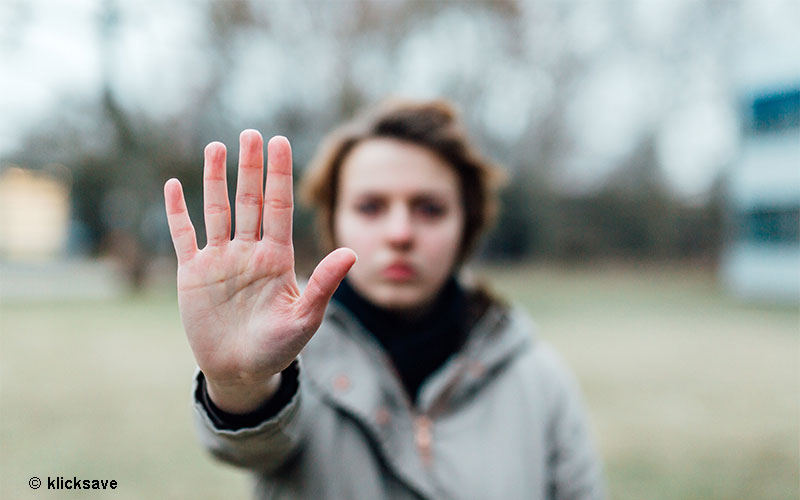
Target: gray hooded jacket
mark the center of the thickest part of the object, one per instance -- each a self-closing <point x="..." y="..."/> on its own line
<point x="502" y="419"/>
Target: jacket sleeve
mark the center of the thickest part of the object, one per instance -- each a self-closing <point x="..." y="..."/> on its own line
<point x="263" y="446"/>
<point x="575" y="469"/>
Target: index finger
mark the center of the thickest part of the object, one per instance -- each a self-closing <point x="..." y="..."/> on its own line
<point x="278" y="199"/>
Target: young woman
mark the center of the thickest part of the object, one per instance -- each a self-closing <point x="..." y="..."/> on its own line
<point x="398" y="381"/>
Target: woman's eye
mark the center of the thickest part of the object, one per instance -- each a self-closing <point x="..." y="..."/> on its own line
<point x="431" y="210"/>
<point x="368" y="207"/>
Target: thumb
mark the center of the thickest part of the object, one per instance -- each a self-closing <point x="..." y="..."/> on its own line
<point x="323" y="282"/>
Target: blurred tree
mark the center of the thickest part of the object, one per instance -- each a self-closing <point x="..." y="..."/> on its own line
<point x="519" y="70"/>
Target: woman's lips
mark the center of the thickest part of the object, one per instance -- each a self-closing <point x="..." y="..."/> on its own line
<point x="399" y="272"/>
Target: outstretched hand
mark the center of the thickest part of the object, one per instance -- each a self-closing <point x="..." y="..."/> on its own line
<point x="241" y="308"/>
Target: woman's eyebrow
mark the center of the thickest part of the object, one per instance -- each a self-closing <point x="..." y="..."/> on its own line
<point x="370" y="194"/>
<point x="426" y="193"/>
<point x="431" y="195"/>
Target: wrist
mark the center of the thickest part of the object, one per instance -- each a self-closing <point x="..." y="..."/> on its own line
<point x="241" y="399"/>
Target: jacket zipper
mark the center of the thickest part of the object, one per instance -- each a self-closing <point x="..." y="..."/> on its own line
<point x="423" y="422"/>
<point x="423" y="437"/>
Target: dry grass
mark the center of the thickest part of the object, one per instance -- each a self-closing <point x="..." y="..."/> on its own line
<point x="691" y="394"/>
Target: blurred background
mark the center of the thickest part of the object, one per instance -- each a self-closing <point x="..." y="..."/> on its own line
<point x="651" y="225"/>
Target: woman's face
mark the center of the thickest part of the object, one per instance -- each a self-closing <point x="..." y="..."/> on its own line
<point x="399" y="207"/>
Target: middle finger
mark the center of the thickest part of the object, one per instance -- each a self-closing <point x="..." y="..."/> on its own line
<point x="248" y="185"/>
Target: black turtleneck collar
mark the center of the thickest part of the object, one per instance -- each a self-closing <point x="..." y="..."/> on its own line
<point x="418" y="346"/>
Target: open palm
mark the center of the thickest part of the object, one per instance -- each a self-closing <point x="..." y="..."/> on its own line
<point x="240" y="304"/>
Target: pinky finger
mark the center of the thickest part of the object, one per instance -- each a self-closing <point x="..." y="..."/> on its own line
<point x="180" y="226"/>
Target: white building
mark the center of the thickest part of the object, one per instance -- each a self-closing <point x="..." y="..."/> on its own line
<point x="761" y="261"/>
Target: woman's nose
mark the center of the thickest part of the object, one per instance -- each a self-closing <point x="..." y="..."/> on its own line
<point x="400" y="229"/>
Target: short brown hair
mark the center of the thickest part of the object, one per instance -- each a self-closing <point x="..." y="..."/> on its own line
<point x="435" y="125"/>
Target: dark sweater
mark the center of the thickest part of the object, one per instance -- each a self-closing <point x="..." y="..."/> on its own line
<point x="418" y="346"/>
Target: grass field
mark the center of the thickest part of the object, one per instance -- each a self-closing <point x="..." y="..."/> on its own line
<point x="691" y="394"/>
